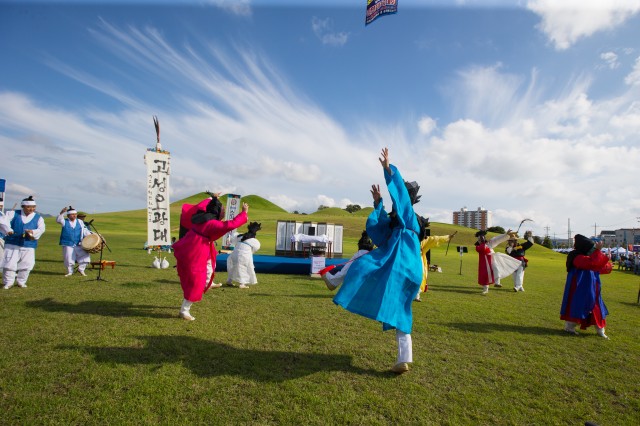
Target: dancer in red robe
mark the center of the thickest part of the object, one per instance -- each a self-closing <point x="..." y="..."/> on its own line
<point x="197" y="247"/>
<point x="493" y="266"/>
<point x="582" y="300"/>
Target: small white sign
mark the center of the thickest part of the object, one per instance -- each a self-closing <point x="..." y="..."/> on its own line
<point x="317" y="264"/>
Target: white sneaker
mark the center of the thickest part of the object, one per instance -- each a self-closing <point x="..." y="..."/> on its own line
<point x="485" y="289"/>
<point x="214" y="285"/>
<point x="82" y="273"/>
<point x="186" y="316"/>
<point x="243" y="286"/>
<point x="601" y="334"/>
<point x="498" y="285"/>
<point x="69" y="274"/>
<point x="521" y="289"/>
<point x="6" y="287"/>
<point x="22" y="285"/>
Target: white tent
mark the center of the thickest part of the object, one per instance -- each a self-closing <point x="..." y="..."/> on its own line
<point x="619" y="250"/>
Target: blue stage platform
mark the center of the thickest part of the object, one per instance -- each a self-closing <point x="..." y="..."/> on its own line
<point x="277" y="264"/>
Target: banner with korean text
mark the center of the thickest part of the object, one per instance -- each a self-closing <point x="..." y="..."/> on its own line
<point x="158" y="222"/>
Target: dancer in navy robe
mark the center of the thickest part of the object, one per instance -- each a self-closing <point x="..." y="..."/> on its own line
<point x="582" y="301"/>
<point x="382" y="284"/>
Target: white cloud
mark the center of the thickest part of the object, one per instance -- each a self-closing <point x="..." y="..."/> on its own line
<point x="426" y="125"/>
<point x="567" y="21"/>
<point x="611" y="59"/>
<point x="236" y="7"/>
<point x="633" y="79"/>
<point x="323" y="29"/>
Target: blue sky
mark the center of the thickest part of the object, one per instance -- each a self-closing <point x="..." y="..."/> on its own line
<point x="522" y="108"/>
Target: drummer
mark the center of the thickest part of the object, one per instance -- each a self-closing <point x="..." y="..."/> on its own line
<point x="71" y="235"/>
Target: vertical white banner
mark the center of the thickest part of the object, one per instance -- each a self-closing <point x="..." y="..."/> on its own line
<point x="158" y="218"/>
<point x="232" y="210"/>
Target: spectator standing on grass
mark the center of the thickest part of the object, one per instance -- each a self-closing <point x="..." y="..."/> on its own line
<point x="23" y="228"/>
<point x="382" y="284"/>
<point x="582" y="300"/>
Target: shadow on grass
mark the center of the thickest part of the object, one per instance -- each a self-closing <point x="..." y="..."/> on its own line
<point x="455" y="289"/>
<point x="481" y="327"/>
<point x="304" y="296"/>
<point x="207" y="359"/>
<point x="101" y="307"/>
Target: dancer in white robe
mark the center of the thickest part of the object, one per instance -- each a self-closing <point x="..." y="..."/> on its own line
<point x="240" y="262"/>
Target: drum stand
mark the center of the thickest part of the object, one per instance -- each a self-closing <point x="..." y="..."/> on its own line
<point x="102" y="246"/>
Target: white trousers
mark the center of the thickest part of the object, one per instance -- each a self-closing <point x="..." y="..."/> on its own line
<point x="209" y="271"/>
<point x="71" y="255"/>
<point x="1" y="253"/>
<point x="186" y="306"/>
<point x="405" y="347"/>
<point x="518" y="278"/>
<point x="18" y="263"/>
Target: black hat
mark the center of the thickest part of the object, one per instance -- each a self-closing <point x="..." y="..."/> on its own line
<point x="412" y="189"/>
<point x="213" y="212"/>
<point x="481" y="233"/>
<point x="583" y="244"/>
<point x="365" y="242"/>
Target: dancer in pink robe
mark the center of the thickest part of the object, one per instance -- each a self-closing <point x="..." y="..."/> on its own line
<point x="196" y="248"/>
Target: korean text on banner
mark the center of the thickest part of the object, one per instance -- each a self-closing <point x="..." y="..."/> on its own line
<point x="232" y="210"/>
<point x="376" y="8"/>
<point x="158" y="223"/>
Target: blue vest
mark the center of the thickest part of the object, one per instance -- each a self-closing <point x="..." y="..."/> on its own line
<point x="17" y="239"/>
<point x="69" y="236"/>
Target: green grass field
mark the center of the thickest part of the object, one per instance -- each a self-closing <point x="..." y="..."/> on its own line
<point x="79" y="351"/>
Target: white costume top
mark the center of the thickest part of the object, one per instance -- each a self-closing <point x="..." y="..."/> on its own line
<point x="240" y="261"/>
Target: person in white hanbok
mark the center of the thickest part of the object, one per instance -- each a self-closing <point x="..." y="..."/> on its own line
<point x="334" y="278"/>
<point x="71" y="235"/>
<point x="240" y="262"/>
<point x="23" y="228"/>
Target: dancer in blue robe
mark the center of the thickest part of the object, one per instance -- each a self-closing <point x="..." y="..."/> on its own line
<point x="582" y="300"/>
<point x="382" y="284"/>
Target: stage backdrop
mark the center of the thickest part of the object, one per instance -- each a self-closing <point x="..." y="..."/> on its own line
<point x="158" y="222"/>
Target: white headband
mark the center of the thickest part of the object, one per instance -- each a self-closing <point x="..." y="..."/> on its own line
<point x="71" y="212"/>
<point x="28" y="203"/>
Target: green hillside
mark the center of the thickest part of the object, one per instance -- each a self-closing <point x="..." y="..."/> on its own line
<point x="133" y="223"/>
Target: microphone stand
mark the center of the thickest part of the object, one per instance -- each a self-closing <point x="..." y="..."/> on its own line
<point x="102" y="246"/>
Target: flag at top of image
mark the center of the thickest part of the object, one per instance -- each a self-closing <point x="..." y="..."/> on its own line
<point x="377" y="8"/>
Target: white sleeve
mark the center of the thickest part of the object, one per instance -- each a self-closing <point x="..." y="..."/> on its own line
<point x="37" y="233"/>
<point x="497" y="240"/>
<point x="5" y="222"/>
